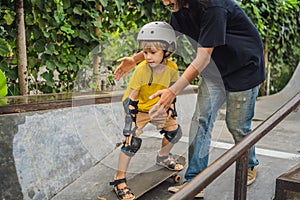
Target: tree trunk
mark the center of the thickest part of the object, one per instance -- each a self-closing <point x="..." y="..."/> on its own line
<point x="97" y="59"/>
<point x="264" y="86"/>
<point x="21" y="48"/>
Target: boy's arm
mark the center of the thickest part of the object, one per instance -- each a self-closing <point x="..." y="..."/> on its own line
<point x="132" y="111"/>
<point x="133" y="95"/>
<point x="127" y="63"/>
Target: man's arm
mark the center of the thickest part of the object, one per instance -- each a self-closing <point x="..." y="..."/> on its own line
<point x="192" y="71"/>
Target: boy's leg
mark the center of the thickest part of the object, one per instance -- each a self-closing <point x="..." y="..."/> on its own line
<point x="172" y="134"/>
<point x="124" y="160"/>
<point x="166" y="146"/>
<point x="122" y="166"/>
<point x="120" y="187"/>
<point x="142" y="119"/>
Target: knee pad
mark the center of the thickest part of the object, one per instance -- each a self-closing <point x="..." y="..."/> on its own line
<point x="172" y="136"/>
<point x="134" y="146"/>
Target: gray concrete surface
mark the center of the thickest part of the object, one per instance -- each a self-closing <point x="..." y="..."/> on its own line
<point x="71" y="153"/>
<point x="277" y="152"/>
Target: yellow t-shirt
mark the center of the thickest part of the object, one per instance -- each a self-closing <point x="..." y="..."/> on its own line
<point x="140" y="79"/>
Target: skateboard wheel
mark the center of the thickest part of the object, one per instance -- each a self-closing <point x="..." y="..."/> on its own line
<point x="176" y="178"/>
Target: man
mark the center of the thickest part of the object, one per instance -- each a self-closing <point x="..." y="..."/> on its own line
<point x="226" y="39"/>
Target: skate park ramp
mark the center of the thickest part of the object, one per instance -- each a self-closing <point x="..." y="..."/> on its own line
<point x="273" y="102"/>
<point x="71" y="153"/>
<point x="43" y="152"/>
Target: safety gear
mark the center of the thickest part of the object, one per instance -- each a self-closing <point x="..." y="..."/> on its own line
<point x="172" y="110"/>
<point x="130" y="116"/>
<point x="134" y="146"/>
<point x="172" y="136"/>
<point x="158" y="31"/>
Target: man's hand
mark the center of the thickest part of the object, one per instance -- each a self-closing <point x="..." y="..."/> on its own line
<point x="158" y="116"/>
<point x="127" y="63"/>
<point x="166" y="98"/>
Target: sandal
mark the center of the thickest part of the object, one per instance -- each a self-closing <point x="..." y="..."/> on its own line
<point x="122" y="192"/>
<point x="168" y="162"/>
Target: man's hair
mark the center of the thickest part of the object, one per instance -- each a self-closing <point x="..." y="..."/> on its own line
<point x="194" y="5"/>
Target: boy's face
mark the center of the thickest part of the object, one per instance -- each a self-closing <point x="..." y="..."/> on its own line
<point x="172" y="4"/>
<point x="153" y="56"/>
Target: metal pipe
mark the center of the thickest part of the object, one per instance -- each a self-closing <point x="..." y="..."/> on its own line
<point x="241" y="173"/>
<point x="220" y="165"/>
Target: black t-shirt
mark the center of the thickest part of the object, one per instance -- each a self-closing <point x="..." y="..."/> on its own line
<point x="238" y="49"/>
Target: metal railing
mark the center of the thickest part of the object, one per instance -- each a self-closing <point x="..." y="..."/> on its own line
<point x="238" y="154"/>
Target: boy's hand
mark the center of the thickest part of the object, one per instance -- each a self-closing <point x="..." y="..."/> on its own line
<point x="127" y="63"/>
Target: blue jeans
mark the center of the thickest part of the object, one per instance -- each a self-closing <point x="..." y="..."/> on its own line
<point x="239" y="113"/>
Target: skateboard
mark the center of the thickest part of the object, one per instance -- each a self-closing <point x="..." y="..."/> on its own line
<point x="149" y="179"/>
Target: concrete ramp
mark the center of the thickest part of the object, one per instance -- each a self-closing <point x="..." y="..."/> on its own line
<point x="41" y="153"/>
<point x="267" y="105"/>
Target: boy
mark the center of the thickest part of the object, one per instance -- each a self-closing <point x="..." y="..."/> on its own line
<point x="158" y="41"/>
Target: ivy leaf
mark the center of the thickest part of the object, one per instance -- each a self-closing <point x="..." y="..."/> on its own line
<point x="74" y="67"/>
<point x="78" y="11"/>
<point x="51" y="65"/>
<point x="40" y="45"/>
<point x="61" y="66"/>
<point x="103" y="3"/>
<point x="119" y="4"/>
<point x="3" y="88"/>
<point x="48" y="77"/>
<point x="38" y="3"/>
<point x="3" y="85"/>
<point x="67" y="29"/>
<point x="4" y="48"/>
<point x="29" y="19"/>
<point x="3" y="101"/>
<point x="31" y="61"/>
<point x="58" y="16"/>
<point x="50" y="49"/>
<point x="10" y="72"/>
<point x="84" y="35"/>
<point x="72" y="58"/>
<point x="9" y="17"/>
<point x="75" y="20"/>
<point x="66" y="4"/>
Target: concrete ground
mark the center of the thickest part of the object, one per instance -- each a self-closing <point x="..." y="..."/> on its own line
<point x="70" y="153"/>
<point x="277" y="153"/>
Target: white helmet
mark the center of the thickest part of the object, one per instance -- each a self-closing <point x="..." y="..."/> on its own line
<point x="158" y="31"/>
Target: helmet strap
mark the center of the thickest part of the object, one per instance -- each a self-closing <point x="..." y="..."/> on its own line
<point x="151" y="77"/>
<point x="166" y="55"/>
